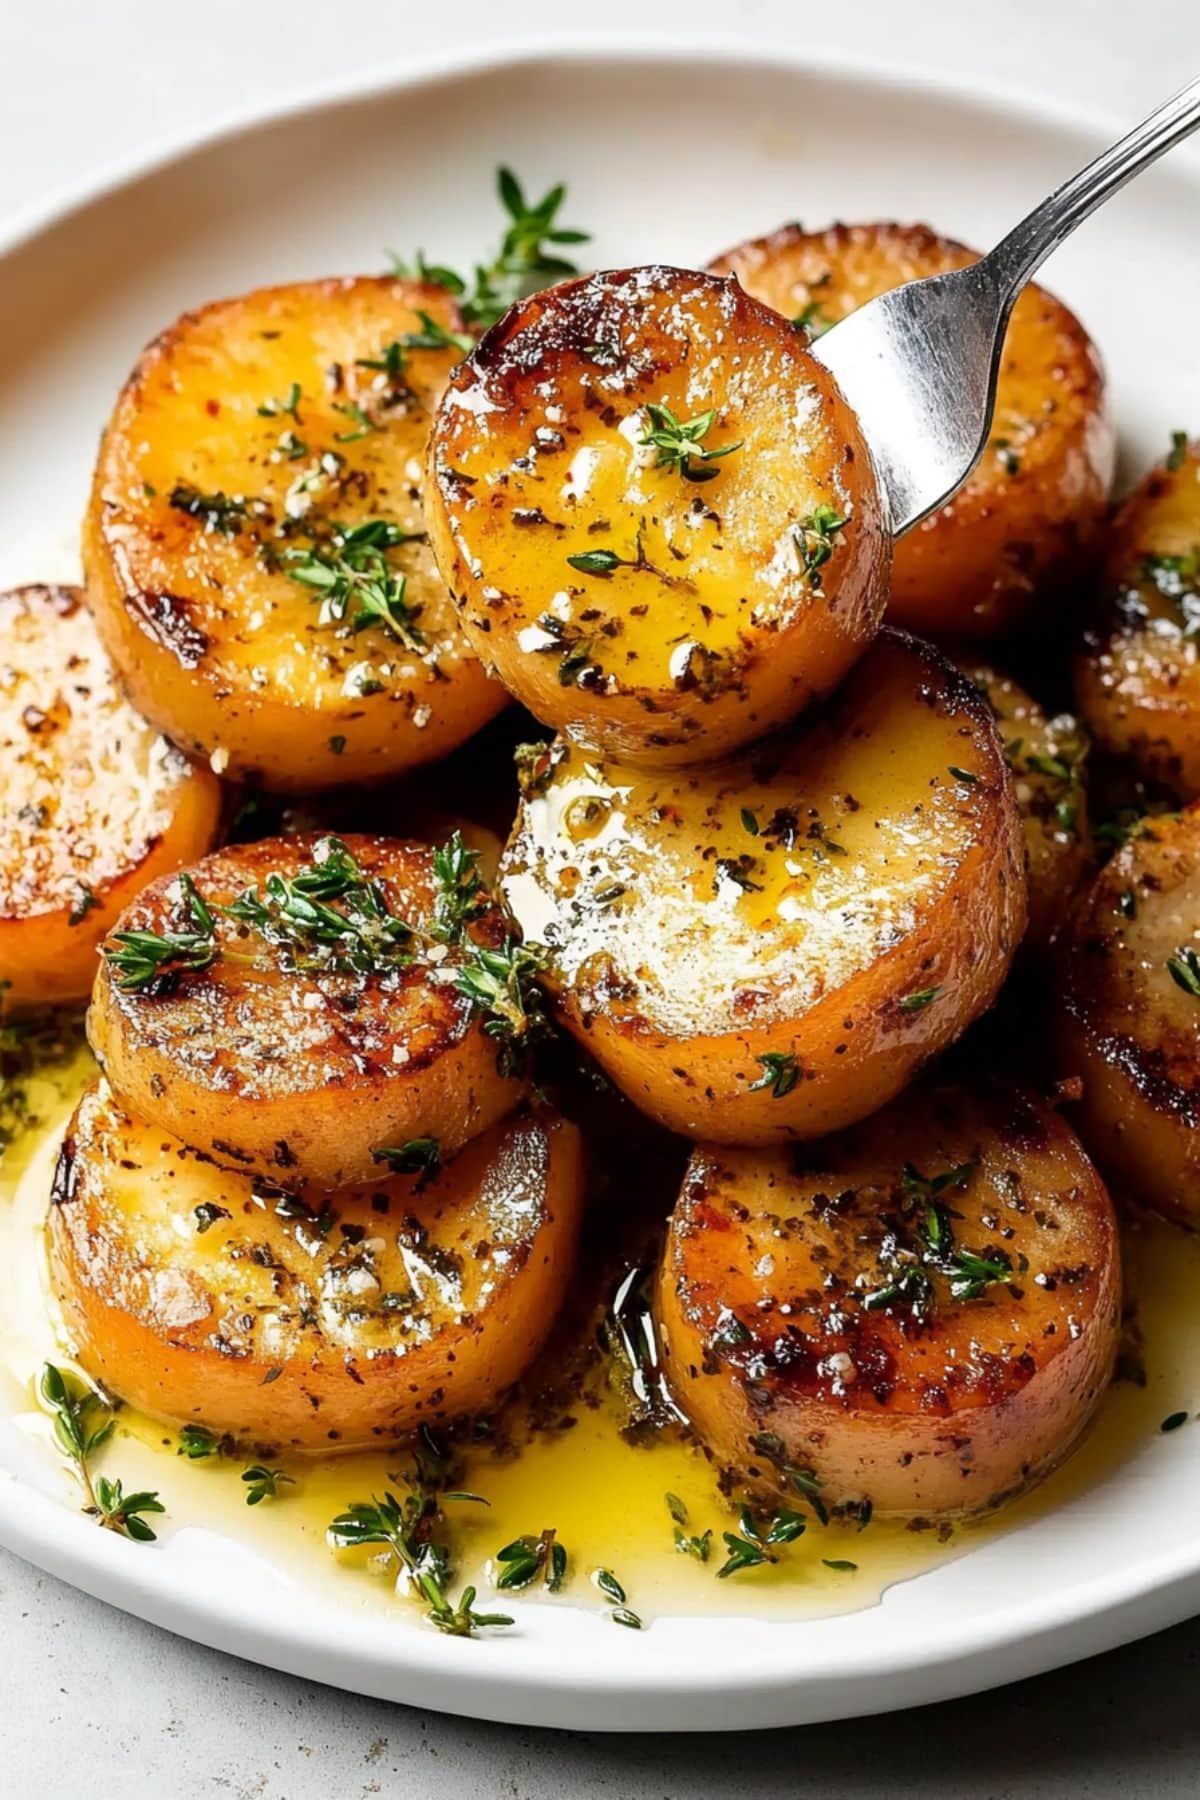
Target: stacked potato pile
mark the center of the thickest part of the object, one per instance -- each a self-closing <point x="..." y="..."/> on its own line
<point x="778" y="857"/>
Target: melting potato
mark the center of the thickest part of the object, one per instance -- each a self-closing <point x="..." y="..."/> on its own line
<point x="299" y="1051"/>
<point x="1138" y="675"/>
<point x="771" y="947"/>
<point x="1130" y="1023"/>
<point x="657" y="514"/>
<point x="1046" y="756"/>
<point x="94" y="805"/>
<point x="201" y="1295"/>
<point x="1016" y="534"/>
<point x="920" y="1315"/>
<point x="255" y="544"/>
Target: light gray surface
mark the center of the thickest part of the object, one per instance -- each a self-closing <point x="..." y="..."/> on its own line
<point x="94" y="1702"/>
<point x="97" y="1703"/>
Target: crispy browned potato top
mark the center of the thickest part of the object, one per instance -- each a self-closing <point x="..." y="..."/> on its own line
<point x="724" y="897"/>
<point x="539" y="457"/>
<point x="248" y="433"/>
<point x="89" y="788"/>
<point x="844" y="1272"/>
<point x="1132" y="967"/>
<point x="262" y="1019"/>
<point x="1050" y="371"/>
<point x="376" y="1271"/>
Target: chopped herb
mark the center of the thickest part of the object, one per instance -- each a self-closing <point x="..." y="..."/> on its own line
<point x="1177" y="454"/>
<point x="1184" y="970"/>
<point x="919" y="1000"/>
<point x="288" y="407"/>
<point x="216" y="512"/>
<point x="1173" y="1421"/>
<point x="86" y="901"/>
<point x="419" y="1156"/>
<point x="354" y="582"/>
<point x="362" y="422"/>
<point x="337" y="744"/>
<point x="815" y="537"/>
<point x="521" y="266"/>
<point x="688" y="1545"/>
<point x="964" y="775"/>
<point x="757" y="1541"/>
<point x="528" y="1558"/>
<point x="838" y="1562"/>
<point x="608" y="1584"/>
<point x="780" y="1074"/>
<point x="264" y="1484"/>
<point x="679" y="443"/>
<point x="598" y="562"/>
<point x="749" y="821"/>
<point x="207" y="1214"/>
<point x="197" y="1443"/>
<point x="83" y="1424"/>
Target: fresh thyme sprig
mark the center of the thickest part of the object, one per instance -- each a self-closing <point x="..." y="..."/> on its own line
<point x="758" y="1541"/>
<point x="83" y="1424"/>
<point x="354" y="581"/>
<point x="263" y="1483"/>
<point x="1184" y="970"/>
<point x="816" y="537"/>
<point x="501" y="985"/>
<point x="780" y="1073"/>
<point x="679" y="443"/>
<point x="418" y="1156"/>
<point x="404" y="1527"/>
<point x="153" y="960"/>
<point x="686" y="1542"/>
<point x="296" y="913"/>
<point x="523" y="263"/>
<point x="969" y="1272"/>
<point x="226" y="513"/>
<point x="527" y="1558"/>
<point x="461" y="895"/>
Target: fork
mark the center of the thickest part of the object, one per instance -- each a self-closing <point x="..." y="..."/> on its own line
<point x="919" y="364"/>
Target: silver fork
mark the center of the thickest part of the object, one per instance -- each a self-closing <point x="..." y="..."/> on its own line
<point x="919" y="364"/>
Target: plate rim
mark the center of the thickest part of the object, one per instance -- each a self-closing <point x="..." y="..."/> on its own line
<point x="414" y="1665"/>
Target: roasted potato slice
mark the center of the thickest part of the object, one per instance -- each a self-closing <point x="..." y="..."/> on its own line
<point x="1130" y="1016"/>
<point x="254" y="545"/>
<point x="95" y="803"/>
<point x="1137" y="676"/>
<point x="1046" y="755"/>
<point x="657" y="514"/>
<point x="200" y="1294"/>
<point x="1014" y="534"/>
<point x="921" y="1314"/>
<point x="771" y="947"/>
<point x="295" y="1049"/>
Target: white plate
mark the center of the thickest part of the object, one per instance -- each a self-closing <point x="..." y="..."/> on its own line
<point x="669" y="155"/>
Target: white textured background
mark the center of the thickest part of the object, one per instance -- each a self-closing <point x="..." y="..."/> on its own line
<point x="92" y="1702"/>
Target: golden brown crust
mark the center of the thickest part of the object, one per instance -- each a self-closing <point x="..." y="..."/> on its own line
<point x="713" y="627"/>
<point x="928" y="1349"/>
<point x="1137" y="675"/>
<point x="302" y="1075"/>
<point x="94" y="805"/>
<point x="835" y="906"/>
<point x="248" y="432"/>
<point x="1020" y="530"/>
<point x="1130" y="1022"/>
<point x="200" y="1295"/>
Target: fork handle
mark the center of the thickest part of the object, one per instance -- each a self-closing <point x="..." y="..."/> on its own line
<point x="1022" y="252"/>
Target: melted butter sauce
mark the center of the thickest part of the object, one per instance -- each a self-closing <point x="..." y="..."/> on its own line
<point x="603" y="1495"/>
